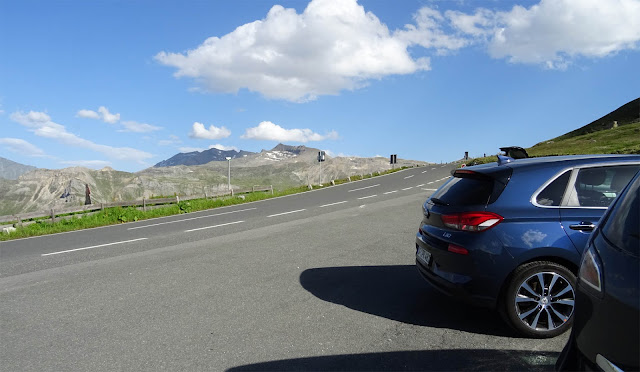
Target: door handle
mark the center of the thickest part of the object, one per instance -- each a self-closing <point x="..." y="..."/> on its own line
<point x="583" y="226"/>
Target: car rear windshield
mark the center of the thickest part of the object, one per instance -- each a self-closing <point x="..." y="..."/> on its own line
<point x="622" y="228"/>
<point x="471" y="188"/>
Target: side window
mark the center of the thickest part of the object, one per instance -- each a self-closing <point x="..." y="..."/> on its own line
<point x="553" y="193"/>
<point x="598" y="186"/>
<point x="622" y="228"/>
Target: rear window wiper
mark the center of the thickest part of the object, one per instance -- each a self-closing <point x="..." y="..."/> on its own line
<point x="439" y="202"/>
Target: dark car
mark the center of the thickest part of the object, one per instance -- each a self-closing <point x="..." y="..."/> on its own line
<point x="606" y="328"/>
<point x="509" y="235"/>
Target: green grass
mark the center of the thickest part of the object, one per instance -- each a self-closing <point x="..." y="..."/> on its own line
<point x="622" y="140"/>
<point x="118" y="215"/>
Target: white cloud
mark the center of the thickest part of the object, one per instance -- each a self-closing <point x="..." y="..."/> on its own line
<point x="173" y="140"/>
<point x="22" y="147"/>
<point x="190" y="149"/>
<point x="133" y="126"/>
<point x="103" y="113"/>
<point x="269" y="131"/>
<point x="94" y="164"/>
<point x="555" y="32"/>
<point x="223" y="147"/>
<point x="41" y="125"/>
<point x="428" y="32"/>
<point x="333" y="45"/>
<point x="198" y="131"/>
<point x="88" y="114"/>
<point x="108" y="117"/>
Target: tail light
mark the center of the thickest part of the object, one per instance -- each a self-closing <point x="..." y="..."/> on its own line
<point x="471" y="221"/>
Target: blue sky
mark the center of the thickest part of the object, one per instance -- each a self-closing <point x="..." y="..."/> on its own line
<point x="127" y="84"/>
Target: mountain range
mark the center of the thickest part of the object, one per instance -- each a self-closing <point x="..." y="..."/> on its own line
<point x="283" y="167"/>
<point x="201" y="157"/>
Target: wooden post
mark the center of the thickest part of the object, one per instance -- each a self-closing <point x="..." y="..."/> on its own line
<point x="232" y="191"/>
<point x="177" y="199"/>
<point x="53" y="216"/>
<point x="101" y="206"/>
<point x="144" y="205"/>
<point x="19" y="220"/>
<point x="271" y="189"/>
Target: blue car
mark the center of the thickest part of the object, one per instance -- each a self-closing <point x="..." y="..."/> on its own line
<point x="509" y="235"/>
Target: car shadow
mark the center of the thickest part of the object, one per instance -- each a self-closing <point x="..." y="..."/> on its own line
<point x="399" y="293"/>
<point x="427" y="360"/>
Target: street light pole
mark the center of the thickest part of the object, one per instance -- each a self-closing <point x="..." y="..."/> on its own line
<point x="229" y="174"/>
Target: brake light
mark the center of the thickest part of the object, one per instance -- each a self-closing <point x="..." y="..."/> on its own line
<point x="471" y="221"/>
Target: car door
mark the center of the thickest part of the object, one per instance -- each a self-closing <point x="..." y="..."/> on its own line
<point x="591" y="190"/>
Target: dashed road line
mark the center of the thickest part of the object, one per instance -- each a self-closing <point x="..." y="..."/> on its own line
<point x="328" y="205"/>
<point x="407" y="188"/>
<point x="211" y="227"/>
<point x="280" y="214"/>
<point x="430" y="189"/>
<point x="409" y="176"/>
<point x="390" y="192"/>
<point x="364" y="188"/>
<point x="367" y="197"/>
<point x="95" y="246"/>
<point x="189" y="219"/>
<point x="420" y="185"/>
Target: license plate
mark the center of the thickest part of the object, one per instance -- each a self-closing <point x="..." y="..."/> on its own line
<point x="423" y="255"/>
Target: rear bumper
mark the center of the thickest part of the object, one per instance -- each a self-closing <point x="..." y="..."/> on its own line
<point x="457" y="286"/>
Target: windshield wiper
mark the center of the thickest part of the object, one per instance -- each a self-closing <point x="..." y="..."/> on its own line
<point x="439" y="202"/>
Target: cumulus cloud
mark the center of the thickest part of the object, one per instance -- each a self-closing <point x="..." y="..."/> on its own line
<point x="200" y="132"/>
<point x="223" y="147"/>
<point x="108" y="117"/>
<point x="269" y="131"/>
<point x="102" y="114"/>
<point x="41" y="125"/>
<point x="555" y="32"/>
<point x="333" y="45"/>
<point x="88" y="114"/>
<point x="133" y="126"/>
<point x="22" y="147"/>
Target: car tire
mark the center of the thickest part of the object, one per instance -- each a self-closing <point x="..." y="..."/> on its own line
<point x="539" y="300"/>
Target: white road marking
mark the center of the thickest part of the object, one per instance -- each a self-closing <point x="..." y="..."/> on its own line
<point x="429" y="189"/>
<point x="211" y="227"/>
<point x="280" y="214"/>
<point x="189" y="219"/>
<point x="433" y="169"/>
<point x="367" y="197"/>
<point x="407" y="188"/>
<point x="420" y="185"/>
<point x="409" y="176"/>
<point x="363" y="188"/>
<point x="95" y="246"/>
<point x="429" y="183"/>
<point x="424" y="172"/>
<point x="328" y="205"/>
<point x="390" y="192"/>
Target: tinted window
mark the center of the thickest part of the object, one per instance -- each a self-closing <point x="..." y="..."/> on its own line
<point x="465" y="191"/>
<point x="622" y="228"/>
<point x="598" y="186"/>
<point x="553" y="193"/>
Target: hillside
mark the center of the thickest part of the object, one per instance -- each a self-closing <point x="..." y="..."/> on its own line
<point x="624" y="115"/>
<point x="10" y="170"/>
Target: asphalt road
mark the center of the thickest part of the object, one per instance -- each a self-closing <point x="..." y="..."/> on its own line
<point x="323" y="280"/>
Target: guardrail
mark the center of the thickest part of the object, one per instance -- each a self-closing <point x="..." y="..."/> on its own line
<point x="144" y="203"/>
